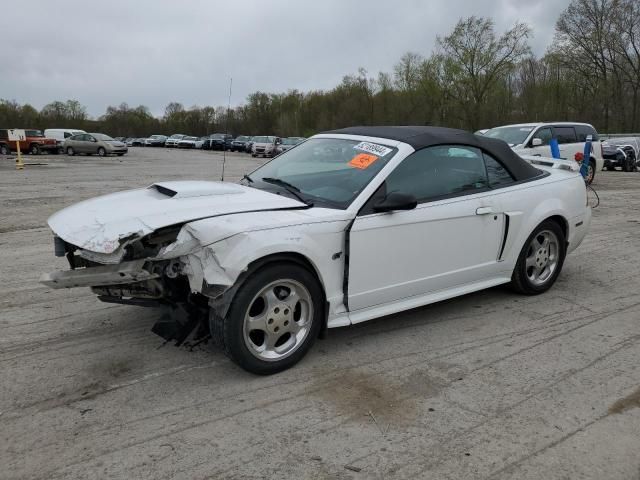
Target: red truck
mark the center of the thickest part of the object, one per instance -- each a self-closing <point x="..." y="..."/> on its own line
<point x="34" y="143"/>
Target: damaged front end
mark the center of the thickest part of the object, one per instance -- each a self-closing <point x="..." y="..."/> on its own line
<point x="146" y="274"/>
<point x="138" y="247"/>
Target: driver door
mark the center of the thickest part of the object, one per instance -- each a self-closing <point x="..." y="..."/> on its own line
<point x="450" y="239"/>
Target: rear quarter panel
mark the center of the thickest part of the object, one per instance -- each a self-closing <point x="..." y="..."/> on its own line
<point x="561" y="194"/>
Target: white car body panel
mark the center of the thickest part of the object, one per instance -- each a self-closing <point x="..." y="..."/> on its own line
<point x="449" y="247"/>
<point x="101" y="225"/>
<point x="436" y="251"/>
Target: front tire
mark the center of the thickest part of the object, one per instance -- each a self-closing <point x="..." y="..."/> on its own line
<point x="34" y="149"/>
<point x="540" y="260"/>
<point x="102" y="152"/>
<point x="273" y="319"/>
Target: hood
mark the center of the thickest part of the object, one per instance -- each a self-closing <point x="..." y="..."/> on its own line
<point x="103" y="224"/>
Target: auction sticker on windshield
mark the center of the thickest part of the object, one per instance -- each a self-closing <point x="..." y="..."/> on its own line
<point x="374" y="148"/>
<point x="362" y="160"/>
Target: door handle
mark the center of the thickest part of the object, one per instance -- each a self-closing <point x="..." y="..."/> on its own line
<point x="484" y="210"/>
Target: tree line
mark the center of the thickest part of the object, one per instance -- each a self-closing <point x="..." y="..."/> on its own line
<point x="475" y="78"/>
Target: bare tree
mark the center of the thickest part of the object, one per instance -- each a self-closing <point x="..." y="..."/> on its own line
<point x="476" y="60"/>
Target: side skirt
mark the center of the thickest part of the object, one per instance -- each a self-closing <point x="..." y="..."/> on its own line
<point x="414" y="302"/>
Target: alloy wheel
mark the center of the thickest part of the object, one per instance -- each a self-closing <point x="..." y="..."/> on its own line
<point x="278" y="320"/>
<point x="542" y="257"/>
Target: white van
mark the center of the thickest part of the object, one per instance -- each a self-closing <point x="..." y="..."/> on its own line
<point x="61" y="134"/>
<point x="534" y="138"/>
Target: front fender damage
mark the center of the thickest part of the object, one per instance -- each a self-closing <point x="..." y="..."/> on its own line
<point x="201" y="263"/>
<point x="212" y="284"/>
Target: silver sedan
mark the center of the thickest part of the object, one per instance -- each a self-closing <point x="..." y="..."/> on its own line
<point x="94" y="143"/>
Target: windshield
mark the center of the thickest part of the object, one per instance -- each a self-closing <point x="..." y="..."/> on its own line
<point x="242" y="138"/>
<point x="291" y="141"/>
<point x="33" y="133"/>
<point x="264" y="139"/>
<point x="512" y="135"/>
<point x="190" y="138"/>
<point x="327" y="171"/>
<point x="176" y="135"/>
<point x="158" y="137"/>
<point x="103" y="137"/>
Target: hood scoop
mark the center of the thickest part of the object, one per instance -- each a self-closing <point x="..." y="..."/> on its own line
<point x="103" y="224"/>
<point x="192" y="189"/>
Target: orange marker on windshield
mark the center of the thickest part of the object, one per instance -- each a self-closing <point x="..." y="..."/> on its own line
<point x="362" y="160"/>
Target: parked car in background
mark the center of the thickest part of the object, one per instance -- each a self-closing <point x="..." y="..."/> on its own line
<point x="137" y="142"/>
<point x="155" y="141"/>
<point x="239" y="144"/>
<point x="287" y="143"/>
<point x="534" y="138"/>
<point x="265" y="146"/>
<point x="249" y="145"/>
<point x="416" y="215"/>
<point x="94" y="144"/>
<point x="173" y="140"/>
<point x="218" y="141"/>
<point x="34" y="143"/>
<point x="120" y="139"/>
<point x="621" y="153"/>
<point x="61" y="134"/>
<point x="190" y="142"/>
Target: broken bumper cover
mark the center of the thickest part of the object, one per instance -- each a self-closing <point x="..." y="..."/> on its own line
<point x="126" y="272"/>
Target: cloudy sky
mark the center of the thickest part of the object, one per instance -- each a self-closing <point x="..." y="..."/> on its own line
<point x="151" y="52"/>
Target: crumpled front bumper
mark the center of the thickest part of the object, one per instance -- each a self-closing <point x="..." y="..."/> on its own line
<point x="125" y="272"/>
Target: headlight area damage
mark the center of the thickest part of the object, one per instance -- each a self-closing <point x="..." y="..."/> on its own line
<point x="169" y="267"/>
<point x="140" y="247"/>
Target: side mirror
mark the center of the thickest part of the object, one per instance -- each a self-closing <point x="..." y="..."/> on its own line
<point x="536" y="142"/>
<point x="396" y="201"/>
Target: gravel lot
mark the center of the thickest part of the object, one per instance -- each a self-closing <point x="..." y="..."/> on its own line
<point x="490" y="385"/>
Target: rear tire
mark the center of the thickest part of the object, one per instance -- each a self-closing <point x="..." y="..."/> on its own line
<point x="34" y="149"/>
<point x="70" y="151"/>
<point x="273" y="320"/>
<point x="4" y="149"/>
<point x="540" y="260"/>
<point x="591" y="172"/>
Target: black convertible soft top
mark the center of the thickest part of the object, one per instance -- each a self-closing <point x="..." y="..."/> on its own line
<point x="421" y="137"/>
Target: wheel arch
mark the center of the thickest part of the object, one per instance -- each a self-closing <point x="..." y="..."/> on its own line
<point x="562" y="222"/>
<point x="223" y="302"/>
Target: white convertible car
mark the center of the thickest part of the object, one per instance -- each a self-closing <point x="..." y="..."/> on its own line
<point x="347" y="226"/>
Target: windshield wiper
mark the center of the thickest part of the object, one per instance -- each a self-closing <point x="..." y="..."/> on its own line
<point x="247" y="178"/>
<point x="292" y="189"/>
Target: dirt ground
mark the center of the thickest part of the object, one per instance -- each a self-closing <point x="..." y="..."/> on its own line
<point x="490" y="385"/>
